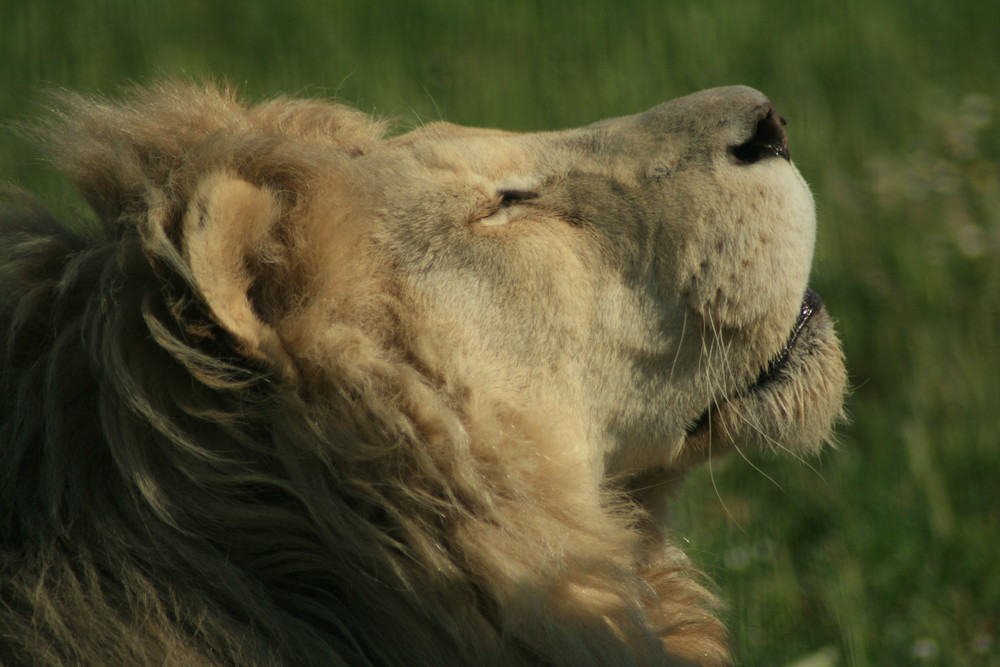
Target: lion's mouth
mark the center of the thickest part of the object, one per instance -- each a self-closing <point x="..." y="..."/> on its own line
<point x="775" y="369"/>
<point x="811" y="302"/>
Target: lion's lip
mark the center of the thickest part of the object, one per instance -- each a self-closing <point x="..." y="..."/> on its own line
<point x="812" y="303"/>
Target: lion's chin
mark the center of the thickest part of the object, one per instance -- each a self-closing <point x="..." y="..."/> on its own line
<point x="792" y="405"/>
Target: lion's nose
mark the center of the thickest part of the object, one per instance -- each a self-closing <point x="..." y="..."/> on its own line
<point x="768" y="139"/>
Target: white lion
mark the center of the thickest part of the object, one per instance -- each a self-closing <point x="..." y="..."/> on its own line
<point x="305" y="395"/>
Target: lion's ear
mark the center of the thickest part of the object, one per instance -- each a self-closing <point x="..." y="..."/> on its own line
<point x="227" y="230"/>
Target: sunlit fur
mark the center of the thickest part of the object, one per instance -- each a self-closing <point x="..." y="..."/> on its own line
<point x="284" y="400"/>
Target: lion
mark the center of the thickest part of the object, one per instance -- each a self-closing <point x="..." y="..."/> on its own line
<point x="302" y="390"/>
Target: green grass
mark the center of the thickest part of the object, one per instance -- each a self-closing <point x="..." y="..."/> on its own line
<point x="883" y="553"/>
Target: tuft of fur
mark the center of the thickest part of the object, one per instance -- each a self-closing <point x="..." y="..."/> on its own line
<point x="203" y="461"/>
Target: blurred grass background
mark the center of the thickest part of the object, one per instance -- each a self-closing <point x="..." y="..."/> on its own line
<point x="883" y="553"/>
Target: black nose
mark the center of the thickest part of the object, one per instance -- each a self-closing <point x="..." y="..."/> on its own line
<point x="768" y="140"/>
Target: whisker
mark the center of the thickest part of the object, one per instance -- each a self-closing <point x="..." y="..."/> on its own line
<point x="708" y="347"/>
<point x="680" y="345"/>
<point x="715" y="486"/>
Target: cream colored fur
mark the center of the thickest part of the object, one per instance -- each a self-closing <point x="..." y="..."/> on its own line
<point x="303" y="394"/>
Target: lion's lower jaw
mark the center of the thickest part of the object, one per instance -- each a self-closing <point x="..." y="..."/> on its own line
<point x="794" y="412"/>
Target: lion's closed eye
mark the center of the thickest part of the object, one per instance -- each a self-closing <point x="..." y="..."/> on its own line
<point x="507" y="207"/>
<point x="508" y="197"/>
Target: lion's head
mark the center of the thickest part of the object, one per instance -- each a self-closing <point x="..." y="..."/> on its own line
<point x="308" y="395"/>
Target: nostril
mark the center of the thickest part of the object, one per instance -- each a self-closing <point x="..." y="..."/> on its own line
<point x="768" y="140"/>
